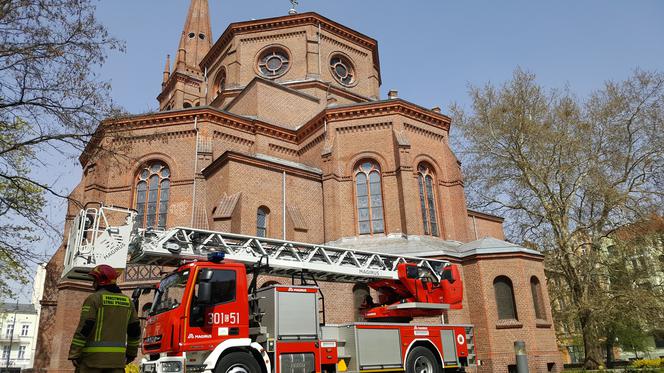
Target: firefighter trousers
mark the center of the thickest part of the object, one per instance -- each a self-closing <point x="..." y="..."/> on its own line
<point x="82" y="368"/>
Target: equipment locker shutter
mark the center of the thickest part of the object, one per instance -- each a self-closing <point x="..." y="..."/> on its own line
<point x="449" y="346"/>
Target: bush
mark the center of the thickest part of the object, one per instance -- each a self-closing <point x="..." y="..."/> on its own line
<point x="651" y="363"/>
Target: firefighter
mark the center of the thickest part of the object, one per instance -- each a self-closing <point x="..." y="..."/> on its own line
<point x="108" y="332"/>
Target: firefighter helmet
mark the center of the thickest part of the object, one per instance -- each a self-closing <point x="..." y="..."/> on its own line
<point x="104" y="274"/>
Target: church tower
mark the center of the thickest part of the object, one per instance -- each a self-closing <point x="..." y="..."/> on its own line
<point x="184" y="87"/>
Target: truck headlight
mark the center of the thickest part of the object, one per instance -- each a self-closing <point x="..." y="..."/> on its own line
<point x="171" y="366"/>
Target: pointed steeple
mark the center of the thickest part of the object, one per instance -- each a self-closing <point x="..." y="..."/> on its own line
<point x="196" y="38"/>
<point x="189" y="89"/>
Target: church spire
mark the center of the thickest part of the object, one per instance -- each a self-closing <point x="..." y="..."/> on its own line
<point x="196" y="38"/>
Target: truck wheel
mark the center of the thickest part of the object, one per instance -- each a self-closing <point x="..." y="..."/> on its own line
<point x="238" y="362"/>
<point x="421" y="360"/>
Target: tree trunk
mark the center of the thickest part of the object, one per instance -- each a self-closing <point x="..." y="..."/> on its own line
<point x="591" y="347"/>
<point x="610" y="338"/>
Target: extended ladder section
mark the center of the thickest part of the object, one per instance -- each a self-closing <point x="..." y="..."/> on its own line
<point x="97" y="239"/>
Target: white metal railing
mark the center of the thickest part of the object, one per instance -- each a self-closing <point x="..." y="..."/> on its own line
<point x="284" y="257"/>
<point x="98" y="236"/>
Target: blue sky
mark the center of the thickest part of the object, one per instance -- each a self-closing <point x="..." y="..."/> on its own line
<point x="430" y="50"/>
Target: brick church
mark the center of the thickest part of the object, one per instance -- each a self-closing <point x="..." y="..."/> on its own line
<point x="277" y="129"/>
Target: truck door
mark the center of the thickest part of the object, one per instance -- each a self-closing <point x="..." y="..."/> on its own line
<point x="224" y="315"/>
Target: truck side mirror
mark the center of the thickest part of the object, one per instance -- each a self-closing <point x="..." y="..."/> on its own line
<point x="204" y="293"/>
<point x="205" y="275"/>
<point x="134" y="297"/>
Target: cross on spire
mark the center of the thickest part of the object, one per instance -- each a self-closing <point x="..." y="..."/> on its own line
<point x="293" y="6"/>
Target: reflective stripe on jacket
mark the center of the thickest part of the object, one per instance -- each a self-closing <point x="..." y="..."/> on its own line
<point x="107" y="332"/>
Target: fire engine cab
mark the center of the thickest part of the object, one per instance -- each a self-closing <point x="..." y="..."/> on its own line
<point x="209" y="315"/>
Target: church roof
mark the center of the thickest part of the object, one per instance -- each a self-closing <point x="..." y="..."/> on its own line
<point x="426" y="246"/>
<point x="309" y="18"/>
<point x="490" y="245"/>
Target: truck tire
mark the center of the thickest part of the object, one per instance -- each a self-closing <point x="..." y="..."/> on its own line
<point x="238" y="362"/>
<point x="421" y="360"/>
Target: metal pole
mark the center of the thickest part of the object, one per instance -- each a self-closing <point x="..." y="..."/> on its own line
<point x="283" y="206"/>
<point x="521" y="357"/>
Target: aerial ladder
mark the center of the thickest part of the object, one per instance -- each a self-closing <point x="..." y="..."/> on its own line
<point x="407" y="287"/>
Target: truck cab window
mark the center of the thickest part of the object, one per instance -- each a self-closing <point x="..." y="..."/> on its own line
<point x="223" y="286"/>
<point x="170" y="292"/>
<point x="223" y="283"/>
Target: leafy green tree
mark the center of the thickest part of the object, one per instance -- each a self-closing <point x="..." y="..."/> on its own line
<point x="568" y="173"/>
<point x="51" y="101"/>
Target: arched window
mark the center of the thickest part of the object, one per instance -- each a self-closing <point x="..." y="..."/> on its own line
<point x="186" y="105"/>
<point x="426" y="182"/>
<point x="369" y="198"/>
<point x="538" y="300"/>
<point x="505" y="302"/>
<point x="220" y="82"/>
<point x="153" y="184"/>
<point x="262" y="215"/>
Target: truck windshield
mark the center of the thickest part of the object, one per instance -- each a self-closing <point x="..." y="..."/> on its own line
<point x="170" y="292"/>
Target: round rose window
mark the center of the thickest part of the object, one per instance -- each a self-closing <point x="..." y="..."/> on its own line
<point x="343" y="70"/>
<point x="273" y="63"/>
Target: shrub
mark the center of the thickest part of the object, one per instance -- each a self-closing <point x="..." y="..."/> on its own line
<point x="651" y="363"/>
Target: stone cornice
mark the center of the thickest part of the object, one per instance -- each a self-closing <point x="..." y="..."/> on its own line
<point x="310" y="18"/>
<point x="255" y="126"/>
<point x="488" y="256"/>
<point x="486" y="216"/>
<point x="372" y="109"/>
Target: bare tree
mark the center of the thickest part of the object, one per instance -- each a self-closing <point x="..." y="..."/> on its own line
<point x="568" y="173"/>
<point x="51" y="101"/>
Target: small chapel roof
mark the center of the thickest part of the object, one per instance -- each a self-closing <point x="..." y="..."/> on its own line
<point x="426" y="246"/>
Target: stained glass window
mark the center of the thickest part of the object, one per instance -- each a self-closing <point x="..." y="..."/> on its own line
<point x="152" y="192"/>
<point x="273" y="62"/>
<point x="425" y="180"/>
<point x="343" y="70"/>
<point x="220" y="82"/>
<point x="538" y="301"/>
<point x="369" y="198"/>
<point x="505" y="298"/>
<point x="261" y="221"/>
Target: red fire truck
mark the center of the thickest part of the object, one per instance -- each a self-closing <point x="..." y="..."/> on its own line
<point x="210" y="316"/>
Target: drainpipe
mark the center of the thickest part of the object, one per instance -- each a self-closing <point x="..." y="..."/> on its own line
<point x="475" y="228"/>
<point x="193" y="194"/>
<point x="283" y="205"/>
<point x="319" y="67"/>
